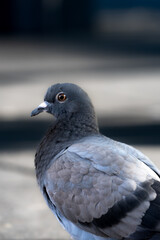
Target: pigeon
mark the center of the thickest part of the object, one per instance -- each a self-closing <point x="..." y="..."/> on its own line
<point x="97" y="188"/>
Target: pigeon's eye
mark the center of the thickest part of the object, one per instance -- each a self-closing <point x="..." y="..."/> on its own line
<point x="61" y="97"/>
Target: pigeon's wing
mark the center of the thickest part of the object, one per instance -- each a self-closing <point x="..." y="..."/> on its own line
<point x="138" y="154"/>
<point x="104" y="190"/>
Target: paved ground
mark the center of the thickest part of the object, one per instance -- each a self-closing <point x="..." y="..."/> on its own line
<point x="123" y="88"/>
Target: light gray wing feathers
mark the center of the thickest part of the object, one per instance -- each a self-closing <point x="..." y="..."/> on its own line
<point x="93" y="178"/>
<point x="139" y="155"/>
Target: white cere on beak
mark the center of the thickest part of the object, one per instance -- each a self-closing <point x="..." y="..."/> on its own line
<point x="43" y="105"/>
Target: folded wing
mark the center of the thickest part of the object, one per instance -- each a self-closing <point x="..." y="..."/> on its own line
<point x="103" y="189"/>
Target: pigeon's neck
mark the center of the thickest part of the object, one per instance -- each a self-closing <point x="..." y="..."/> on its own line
<point x="75" y="127"/>
<point x="64" y="133"/>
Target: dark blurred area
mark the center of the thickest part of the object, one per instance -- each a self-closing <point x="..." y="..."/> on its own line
<point x="26" y="135"/>
<point x="123" y="22"/>
<point x="86" y="17"/>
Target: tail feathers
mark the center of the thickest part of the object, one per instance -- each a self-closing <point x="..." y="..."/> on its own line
<point x="151" y="219"/>
<point x="150" y="225"/>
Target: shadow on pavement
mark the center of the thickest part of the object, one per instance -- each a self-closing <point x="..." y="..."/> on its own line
<point x="20" y="134"/>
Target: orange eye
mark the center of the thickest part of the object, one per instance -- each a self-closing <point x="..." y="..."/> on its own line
<point x="61" y="97"/>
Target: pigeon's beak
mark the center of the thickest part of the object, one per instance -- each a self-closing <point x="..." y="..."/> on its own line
<point x="41" y="108"/>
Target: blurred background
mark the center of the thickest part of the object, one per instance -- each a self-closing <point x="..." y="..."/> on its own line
<point x="111" y="49"/>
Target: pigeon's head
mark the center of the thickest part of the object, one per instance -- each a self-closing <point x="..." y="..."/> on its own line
<point x="64" y="100"/>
